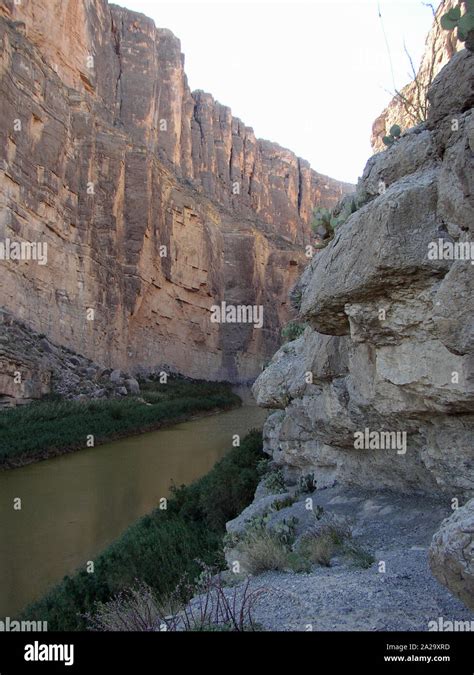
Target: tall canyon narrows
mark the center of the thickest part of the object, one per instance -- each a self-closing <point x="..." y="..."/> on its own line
<point x="155" y="202"/>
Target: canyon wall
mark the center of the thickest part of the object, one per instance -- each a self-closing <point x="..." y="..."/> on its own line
<point x="154" y="201"/>
<point x="409" y="108"/>
<point x="387" y="359"/>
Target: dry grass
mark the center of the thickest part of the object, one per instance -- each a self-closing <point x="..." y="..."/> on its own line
<point x="132" y="610"/>
<point x="319" y="549"/>
<point x="265" y="551"/>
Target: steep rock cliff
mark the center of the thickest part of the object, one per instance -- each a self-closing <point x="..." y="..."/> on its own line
<point x="390" y="340"/>
<point x="154" y="202"/>
<point x="377" y="395"/>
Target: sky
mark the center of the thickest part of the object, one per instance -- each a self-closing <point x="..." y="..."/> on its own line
<point x="310" y="75"/>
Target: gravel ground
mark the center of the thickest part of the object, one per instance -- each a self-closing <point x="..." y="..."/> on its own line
<point x="396" y="530"/>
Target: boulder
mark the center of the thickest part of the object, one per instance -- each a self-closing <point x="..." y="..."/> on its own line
<point x="451" y="553"/>
<point x="132" y="386"/>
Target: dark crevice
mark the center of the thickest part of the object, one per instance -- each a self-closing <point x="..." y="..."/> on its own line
<point x="117" y="48"/>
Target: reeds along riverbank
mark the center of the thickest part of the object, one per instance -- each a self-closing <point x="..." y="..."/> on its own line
<point x="47" y="428"/>
<point x="162" y="547"/>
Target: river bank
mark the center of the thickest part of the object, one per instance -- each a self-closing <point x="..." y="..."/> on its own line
<point x="75" y="505"/>
<point x="49" y="428"/>
<point x="161" y="547"/>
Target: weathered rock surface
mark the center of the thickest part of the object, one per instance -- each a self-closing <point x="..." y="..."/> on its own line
<point x="395" y="593"/>
<point x="390" y="342"/>
<point x="452" y="553"/>
<point x="31" y="366"/>
<point x="389" y="349"/>
<point x="406" y="109"/>
<point x="155" y="203"/>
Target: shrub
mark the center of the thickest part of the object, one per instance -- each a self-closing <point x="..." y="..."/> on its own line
<point x="307" y="484"/>
<point x="213" y="609"/>
<point x="161" y="547"/>
<point x="265" y="551"/>
<point x="358" y="555"/>
<point x="393" y="135"/>
<point x="54" y="425"/>
<point x="318" y="549"/>
<point x="325" y="222"/>
<point x="275" y="482"/>
<point x="266" y="548"/>
<point x="133" y="609"/>
<point x="293" y="330"/>
<point x="280" y="504"/>
<point x="465" y="23"/>
<point x="217" y="608"/>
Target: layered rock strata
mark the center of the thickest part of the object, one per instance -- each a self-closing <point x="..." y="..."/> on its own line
<point x="154" y="202"/>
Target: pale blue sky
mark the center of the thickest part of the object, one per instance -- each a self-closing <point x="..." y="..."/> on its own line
<point x="309" y="75"/>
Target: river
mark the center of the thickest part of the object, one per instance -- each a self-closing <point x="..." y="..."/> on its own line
<point x="74" y="505"/>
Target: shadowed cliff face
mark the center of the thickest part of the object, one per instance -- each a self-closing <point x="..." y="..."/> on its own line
<point x="154" y="202"/>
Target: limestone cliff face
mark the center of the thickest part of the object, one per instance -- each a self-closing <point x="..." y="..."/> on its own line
<point x="389" y="345"/>
<point x="155" y="202"/>
<point x="406" y="109"/>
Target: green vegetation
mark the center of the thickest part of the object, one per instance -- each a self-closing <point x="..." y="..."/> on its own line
<point x="163" y="546"/>
<point x="293" y="330"/>
<point x="275" y="482"/>
<point x="464" y="24"/>
<point x="267" y="545"/>
<point x="307" y="483"/>
<point x="267" y="548"/>
<point x="280" y="504"/>
<point x="393" y="135"/>
<point x="318" y="550"/>
<point x="325" y="221"/>
<point x="49" y="427"/>
<point x="358" y="555"/>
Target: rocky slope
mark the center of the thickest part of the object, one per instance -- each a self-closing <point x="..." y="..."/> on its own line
<point x="31" y="366"/>
<point x="378" y="392"/>
<point x="390" y="590"/>
<point x="406" y="109"/>
<point x="154" y="201"/>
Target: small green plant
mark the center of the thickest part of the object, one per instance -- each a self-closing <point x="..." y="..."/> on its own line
<point x="393" y="135"/>
<point x="296" y="297"/>
<point x="359" y="556"/>
<point x="464" y="24"/>
<point x="307" y="483"/>
<point x="275" y="482"/>
<point x="263" y="466"/>
<point x="322" y="217"/>
<point x="320" y="549"/>
<point x="269" y="548"/>
<point x="325" y="222"/>
<point x="280" y="504"/>
<point x="292" y="331"/>
<point x="264" y="551"/>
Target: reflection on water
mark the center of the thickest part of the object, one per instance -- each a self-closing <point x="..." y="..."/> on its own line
<point x="74" y="505"/>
